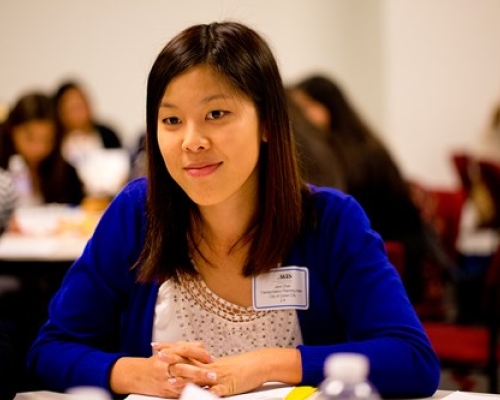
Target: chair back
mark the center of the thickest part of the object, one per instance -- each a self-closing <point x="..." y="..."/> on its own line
<point x="492" y="298"/>
<point x="461" y="163"/>
<point x="396" y="254"/>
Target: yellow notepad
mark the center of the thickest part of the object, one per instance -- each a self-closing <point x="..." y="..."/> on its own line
<point x="300" y="393"/>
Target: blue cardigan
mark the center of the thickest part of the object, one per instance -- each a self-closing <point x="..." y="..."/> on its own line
<point x="357" y="303"/>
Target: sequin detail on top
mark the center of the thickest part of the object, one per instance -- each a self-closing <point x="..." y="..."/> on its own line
<point x="226" y="328"/>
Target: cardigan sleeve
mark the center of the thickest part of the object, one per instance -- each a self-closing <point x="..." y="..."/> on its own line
<point x="358" y="299"/>
<point x="79" y="343"/>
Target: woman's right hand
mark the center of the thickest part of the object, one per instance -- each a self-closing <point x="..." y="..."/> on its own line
<point x="151" y="376"/>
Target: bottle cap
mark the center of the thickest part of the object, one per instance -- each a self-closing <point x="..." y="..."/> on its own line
<point x="350" y="367"/>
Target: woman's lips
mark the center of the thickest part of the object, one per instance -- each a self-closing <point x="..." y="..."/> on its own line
<point x="198" y="171"/>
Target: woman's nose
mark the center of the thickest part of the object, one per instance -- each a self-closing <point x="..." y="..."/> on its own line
<point x="195" y="139"/>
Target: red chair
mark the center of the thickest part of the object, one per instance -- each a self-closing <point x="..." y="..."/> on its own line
<point x="442" y="209"/>
<point x="467" y="347"/>
<point x="448" y="212"/>
<point x="396" y="254"/>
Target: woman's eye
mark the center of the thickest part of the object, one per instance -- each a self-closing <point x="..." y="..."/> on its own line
<point x="216" y="114"/>
<point x="171" y="120"/>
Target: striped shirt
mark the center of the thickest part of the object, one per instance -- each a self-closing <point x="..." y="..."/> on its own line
<point x="7" y="198"/>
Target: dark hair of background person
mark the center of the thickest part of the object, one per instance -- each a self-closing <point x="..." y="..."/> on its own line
<point x="59" y="182"/>
<point x="317" y="160"/>
<point x="109" y="137"/>
<point x="240" y="56"/>
<point x="370" y="174"/>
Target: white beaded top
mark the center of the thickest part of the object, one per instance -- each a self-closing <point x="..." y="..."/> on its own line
<point x="190" y="311"/>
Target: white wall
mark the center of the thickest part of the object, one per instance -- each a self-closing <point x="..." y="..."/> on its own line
<point x="423" y="72"/>
<point x="111" y="45"/>
<point x="443" y="77"/>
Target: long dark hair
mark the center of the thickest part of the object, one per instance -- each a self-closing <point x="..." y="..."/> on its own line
<point x="58" y="98"/>
<point x="365" y="162"/>
<point x="54" y="172"/>
<point x="344" y="119"/>
<point x="242" y="57"/>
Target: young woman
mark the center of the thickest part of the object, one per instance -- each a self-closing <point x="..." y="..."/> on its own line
<point x="222" y="267"/>
<point x="29" y="136"/>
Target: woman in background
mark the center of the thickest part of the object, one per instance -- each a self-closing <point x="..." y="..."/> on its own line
<point x="487" y="146"/>
<point x="94" y="149"/>
<point x="316" y="158"/>
<point x="81" y="132"/>
<point x="31" y="147"/>
<point x="369" y="173"/>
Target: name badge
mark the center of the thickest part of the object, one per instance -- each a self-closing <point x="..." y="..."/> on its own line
<point x="281" y="288"/>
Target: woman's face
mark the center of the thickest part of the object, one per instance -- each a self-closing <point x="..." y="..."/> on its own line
<point x="74" y="110"/>
<point x="209" y="137"/>
<point x="313" y="110"/>
<point x="34" y="140"/>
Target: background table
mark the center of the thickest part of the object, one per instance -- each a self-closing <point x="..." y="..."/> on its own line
<point x="32" y="266"/>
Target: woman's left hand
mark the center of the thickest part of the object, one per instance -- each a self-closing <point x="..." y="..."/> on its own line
<point x="238" y="374"/>
<point x="246" y="371"/>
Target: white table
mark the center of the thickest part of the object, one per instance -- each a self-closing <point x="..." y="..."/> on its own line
<point x="50" y="232"/>
<point x="63" y="247"/>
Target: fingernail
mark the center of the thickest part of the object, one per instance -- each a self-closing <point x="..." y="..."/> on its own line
<point x="172" y="381"/>
<point x="213" y="358"/>
<point x="162" y="354"/>
<point x="212" y="376"/>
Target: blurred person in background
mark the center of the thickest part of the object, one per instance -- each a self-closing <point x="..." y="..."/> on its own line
<point x="484" y="212"/>
<point x="37" y="174"/>
<point x="478" y="236"/>
<point x="370" y="174"/>
<point x="7" y="199"/>
<point x="81" y="131"/>
<point x="488" y="143"/>
<point x="31" y="150"/>
<point x="93" y="148"/>
<point x="318" y="162"/>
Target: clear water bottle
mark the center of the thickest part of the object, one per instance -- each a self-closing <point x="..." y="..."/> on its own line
<point x="346" y="378"/>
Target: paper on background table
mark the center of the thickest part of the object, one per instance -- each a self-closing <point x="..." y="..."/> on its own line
<point x="465" y="396"/>
<point x="270" y="391"/>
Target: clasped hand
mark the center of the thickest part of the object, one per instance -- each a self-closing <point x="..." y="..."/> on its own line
<point x="182" y="362"/>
